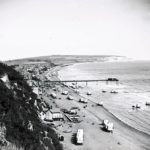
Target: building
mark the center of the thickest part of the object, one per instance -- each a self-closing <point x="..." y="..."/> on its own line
<point x="36" y="90"/>
<point x="48" y="116"/>
<point x="56" y="114"/>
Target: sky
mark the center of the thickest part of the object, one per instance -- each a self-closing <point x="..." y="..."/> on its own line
<point x="31" y="28"/>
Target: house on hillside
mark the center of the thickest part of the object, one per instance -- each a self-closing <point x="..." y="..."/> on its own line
<point x="4" y="78"/>
<point x="48" y="116"/>
<point x="29" y="83"/>
<point x="36" y="90"/>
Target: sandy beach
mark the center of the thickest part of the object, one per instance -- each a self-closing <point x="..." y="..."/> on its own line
<point x="123" y="137"/>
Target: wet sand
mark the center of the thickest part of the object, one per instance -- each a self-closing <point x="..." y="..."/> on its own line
<point x="124" y="137"/>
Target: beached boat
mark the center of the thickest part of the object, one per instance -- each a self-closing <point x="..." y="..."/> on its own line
<point x="53" y="95"/>
<point x="112" y="79"/>
<point x="69" y="97"/>
<point x="137" y="106"/>
<point x="73" y="86"/>
<point x="83" y="100"/>
<point x="100" y="103"/>
<point x="64" y="93"/>
<point x="113" y="91"/>
<point x="104" y="91"/>
<point x="73" y="111"/>
<point x="89" y="93"/>
<point x="147" y="103"/>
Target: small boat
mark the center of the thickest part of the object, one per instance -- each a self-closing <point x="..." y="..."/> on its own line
<point x="147" y="103"/>
<point x="83" y="100"/>
<point x="65" y="93"/>
<point x="138" y="106"/>
<point x="89" y="93"/>
<point x="100" y="103"/>
<point x="53" y="95"/>
<point x="113" y="91"/>
<point x="112" y="79"/>
<point x="69" y="97"/>
<point x="104" y="91"/>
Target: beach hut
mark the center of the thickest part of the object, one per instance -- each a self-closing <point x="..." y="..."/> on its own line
<point x="48" y="116"/>
<point x="69" y="97"/>
<point x="89" y="93"/>
<point x="109" y="127"/>
<point x="83" y="100"/>
<point x="56" y="114"/>
<point x="64" y="93"/>
<point x="53" y="95"/>
<point x="100" y="103"/>
<point x="73" y="111"/>
<point x="138" y="106"/>
<point x="79" y="136"/>
<point x="73" y="86"/>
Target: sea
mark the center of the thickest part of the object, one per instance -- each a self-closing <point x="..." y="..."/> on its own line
<point x="133" y="88"/>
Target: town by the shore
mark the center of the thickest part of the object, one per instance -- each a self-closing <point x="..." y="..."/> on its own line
<point x="89" y="116"/>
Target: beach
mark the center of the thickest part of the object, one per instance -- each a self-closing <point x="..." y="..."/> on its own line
<point x="124" y="136"/>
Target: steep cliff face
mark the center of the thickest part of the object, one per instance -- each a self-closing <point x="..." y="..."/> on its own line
<point x="19" y="116"/>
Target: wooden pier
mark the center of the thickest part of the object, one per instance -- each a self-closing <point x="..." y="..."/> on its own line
<point x="85" y="81"/>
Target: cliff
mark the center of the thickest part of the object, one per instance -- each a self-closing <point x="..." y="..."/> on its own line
<point x="20" y="124"/>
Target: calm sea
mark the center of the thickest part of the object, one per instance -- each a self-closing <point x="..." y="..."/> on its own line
<point x="134" y="88"/>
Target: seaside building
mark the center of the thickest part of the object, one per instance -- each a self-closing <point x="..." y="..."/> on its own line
<point x="48" y="116"/>
<point x="56" y="114"/>
<point x="36" y="90"/>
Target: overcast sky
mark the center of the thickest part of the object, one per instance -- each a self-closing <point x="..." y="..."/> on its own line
<point x="46" y="27"/>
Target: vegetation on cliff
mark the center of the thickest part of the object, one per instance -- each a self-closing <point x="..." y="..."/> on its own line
<point x="20" y="124"/>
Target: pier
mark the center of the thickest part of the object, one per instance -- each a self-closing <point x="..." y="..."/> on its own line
<point x="85" y="81"/>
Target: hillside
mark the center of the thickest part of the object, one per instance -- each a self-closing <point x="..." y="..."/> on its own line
<point x="67" y="59"/>
<point x="20" y="124"/>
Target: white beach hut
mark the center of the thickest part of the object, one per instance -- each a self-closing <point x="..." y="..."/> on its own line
<point x="64" y="92"/>
<point x="48" y="116"/>
<point x="56" y="114"/>
<point x="69" y="97"/>
<point x="53" y="95"/>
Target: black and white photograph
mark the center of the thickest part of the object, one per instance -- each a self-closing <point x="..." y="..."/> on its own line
<point x="74" y="74"/>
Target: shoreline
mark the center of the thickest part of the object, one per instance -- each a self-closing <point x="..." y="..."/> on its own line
<point x="118" y="123"/>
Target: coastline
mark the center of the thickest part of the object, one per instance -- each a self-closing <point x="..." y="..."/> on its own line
<point x="128" y="135"/>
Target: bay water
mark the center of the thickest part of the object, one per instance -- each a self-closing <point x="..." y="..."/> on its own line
<point x="133" y="88"/>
